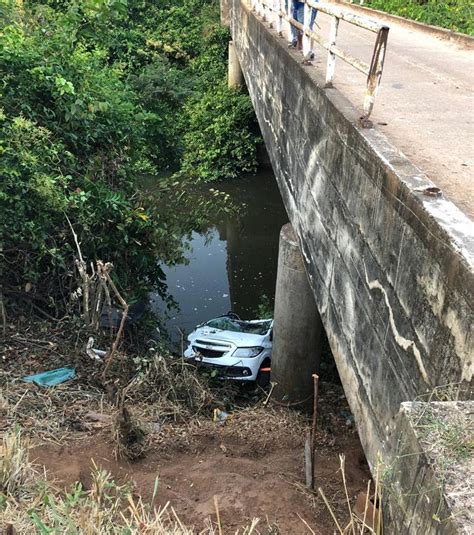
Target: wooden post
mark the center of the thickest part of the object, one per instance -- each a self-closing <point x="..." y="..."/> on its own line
<point x="313" y="429"/>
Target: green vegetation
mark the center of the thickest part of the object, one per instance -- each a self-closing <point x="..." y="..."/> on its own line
<point x="95" y="94"/>
<point x="265" y="308"/>
<point x="219" y="142"/>
<point x="456" y="15"/>
<point x="448" y="433"/>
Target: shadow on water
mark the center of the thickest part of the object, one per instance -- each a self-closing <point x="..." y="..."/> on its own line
<point x="234" y="263"/>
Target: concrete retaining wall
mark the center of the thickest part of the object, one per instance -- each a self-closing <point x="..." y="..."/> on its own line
<point x="391" y="269"/>
<point x="428" y="486"/>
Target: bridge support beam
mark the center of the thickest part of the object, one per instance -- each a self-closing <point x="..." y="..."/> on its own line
<point x="235" y="75"/>
<point x="297" y="327"/>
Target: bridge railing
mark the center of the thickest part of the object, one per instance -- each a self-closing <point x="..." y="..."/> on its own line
<point x="278" y="12"/>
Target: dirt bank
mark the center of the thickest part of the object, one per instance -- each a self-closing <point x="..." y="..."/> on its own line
<point x="253" y="464"/>
<point x="248" y="480"/>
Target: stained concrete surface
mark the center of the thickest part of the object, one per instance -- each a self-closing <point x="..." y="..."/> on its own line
<point x="297" y="326"/>
<point x="425" y="105"/>
<point x="391" y="269"/>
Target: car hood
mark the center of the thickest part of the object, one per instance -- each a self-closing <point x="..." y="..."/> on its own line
<point x="239" y="339"/>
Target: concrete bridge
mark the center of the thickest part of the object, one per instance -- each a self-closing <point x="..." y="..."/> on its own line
<point x="389" y="256"/>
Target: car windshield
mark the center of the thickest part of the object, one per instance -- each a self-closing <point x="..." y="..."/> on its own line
<point x="238" y="326"/>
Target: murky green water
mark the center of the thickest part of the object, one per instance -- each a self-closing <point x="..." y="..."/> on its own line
<point x="232" y="265"/>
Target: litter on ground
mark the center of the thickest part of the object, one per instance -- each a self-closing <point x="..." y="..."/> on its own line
<point x="51" y="377"/>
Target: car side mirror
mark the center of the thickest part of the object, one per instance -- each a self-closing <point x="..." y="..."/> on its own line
<point x="271" y="335"/>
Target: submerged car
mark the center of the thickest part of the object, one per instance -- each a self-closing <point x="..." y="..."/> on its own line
<point x="233" y="348"/>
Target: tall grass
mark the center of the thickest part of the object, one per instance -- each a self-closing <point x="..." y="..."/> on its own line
<point x="16" y="472"/>
<point x="30" y="504"/>
<point x="366" y="522"/>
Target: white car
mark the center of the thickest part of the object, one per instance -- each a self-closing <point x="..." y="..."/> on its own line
<point x="236" y="349"/>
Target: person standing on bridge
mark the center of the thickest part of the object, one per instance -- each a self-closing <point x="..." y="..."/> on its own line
<point x="297" y="13"/>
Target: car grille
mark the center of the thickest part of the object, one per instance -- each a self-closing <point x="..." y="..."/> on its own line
<point x="208" y="353"/>
<point x="213" y="342"/>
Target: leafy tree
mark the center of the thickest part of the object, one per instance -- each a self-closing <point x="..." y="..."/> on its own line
<point x="94" y="94"/>
<point x="218" y="142"/>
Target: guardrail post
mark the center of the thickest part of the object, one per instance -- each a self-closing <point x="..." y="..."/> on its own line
<point x="331" y="63"/>
<point x="272" y="12"/>
<point x="375" y="73"/>
<point x="289" y="12"/>
<point x="279" y="24"/>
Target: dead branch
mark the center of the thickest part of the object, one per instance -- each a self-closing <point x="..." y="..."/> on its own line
<point x="3" y="314"/>
<point x="95" y="288"/>
<point x="122" y="322"/>
<point x="82" y="268"/>
<point x="103" y="281"/>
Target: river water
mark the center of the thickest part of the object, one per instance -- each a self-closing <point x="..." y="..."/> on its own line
<point x="232" y="265"/>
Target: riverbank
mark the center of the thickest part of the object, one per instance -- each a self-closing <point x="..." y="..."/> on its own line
<point x="253" y="464"/>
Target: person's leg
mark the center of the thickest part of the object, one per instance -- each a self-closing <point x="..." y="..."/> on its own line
<point x="314" y="12"/>
<point x="299" y="16"/>
<point x="294" y="31"/>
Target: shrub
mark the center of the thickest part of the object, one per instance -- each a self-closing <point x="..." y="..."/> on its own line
<point x="456" y="15"/>
<point x="94" y="94"/>
<point x="219" y="142"/>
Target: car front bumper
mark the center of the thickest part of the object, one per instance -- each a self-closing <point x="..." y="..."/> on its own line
<point x="227" y="367"/>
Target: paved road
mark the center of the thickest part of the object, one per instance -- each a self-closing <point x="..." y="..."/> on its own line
<point x="425" y="105"/>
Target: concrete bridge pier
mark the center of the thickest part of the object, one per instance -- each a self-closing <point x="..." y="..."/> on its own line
<point x="297" y="327"/>
<point x="235" y="74"/>
<point x="225" y="13"/>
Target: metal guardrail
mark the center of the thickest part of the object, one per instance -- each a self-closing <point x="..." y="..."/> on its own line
<point x="278" y="11"/>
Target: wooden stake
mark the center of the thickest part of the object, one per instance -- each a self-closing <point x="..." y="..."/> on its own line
<point x="308" y="460"/>
<point x="3" y="315"/>
<point x="313" y="428"/>
<point x="219" y="526"/>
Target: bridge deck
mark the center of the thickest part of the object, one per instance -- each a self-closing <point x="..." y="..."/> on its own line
<point x="425" y="104"/>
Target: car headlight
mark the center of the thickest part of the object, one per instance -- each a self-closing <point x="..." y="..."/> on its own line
<point x="247" y="352"/>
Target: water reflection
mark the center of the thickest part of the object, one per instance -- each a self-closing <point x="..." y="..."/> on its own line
<point x="233" y="264"/>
